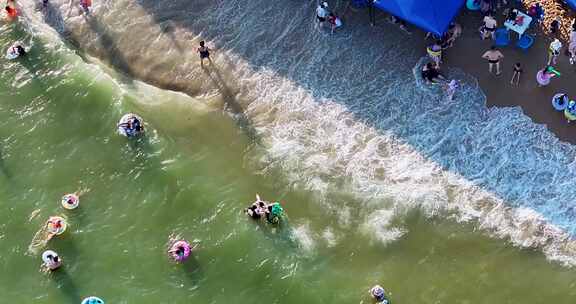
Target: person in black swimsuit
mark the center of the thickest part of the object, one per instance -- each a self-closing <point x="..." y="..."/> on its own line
<point x="431" y="73"/>
<point x="253" y="212"/>
<point x="204" y="53"/>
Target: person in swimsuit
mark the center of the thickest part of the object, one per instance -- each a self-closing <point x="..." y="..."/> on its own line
<point x="489" y="27"/>
<point x="493" y="55"/>
<point x="86" y="4"/>
<point x="11" y="9"/>
<point x="431" y="73"/>
<point x="204" y="53"/>
<point x="517" y="73"/>
<point x="322" y="13"/>
<point x="51" y="261"/>
<point x="253" y="212"/>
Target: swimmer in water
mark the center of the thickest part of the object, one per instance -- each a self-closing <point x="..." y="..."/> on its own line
<point x="51" y="260"/>
<point x="257" y="209"/>
<point x="378" y="293"/>
<point x="11" y="9"/>
<point x="54" y="225"/>
<point x="21" y="51"/>
<point x="86" y="4"/>
<point x="204" y="53"/>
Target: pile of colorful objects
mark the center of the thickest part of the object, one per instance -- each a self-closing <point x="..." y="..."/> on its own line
<point x="552" y="10"/>
<point x="561" y="102"/>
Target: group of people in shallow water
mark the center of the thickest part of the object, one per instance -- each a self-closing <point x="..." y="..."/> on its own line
<point x="261" y="209"/>
<point x="324" y="15"/>
<point x="130" y="125"/>
<point x="12" y="12"/>
<point x="431" y="74"/>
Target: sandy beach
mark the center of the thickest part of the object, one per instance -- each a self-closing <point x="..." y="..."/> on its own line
<point x="535" y="101"/>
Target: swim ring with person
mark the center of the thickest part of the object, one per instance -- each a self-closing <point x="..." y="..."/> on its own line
<point x="180" y="251"/>
<point x="70" y="201"/>
<point x="15" y="51"/>
<point x="92" y="300"/>
<point x="56" y="225"/>
<point x="131" y="125"/>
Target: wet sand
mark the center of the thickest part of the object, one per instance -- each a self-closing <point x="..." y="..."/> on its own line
<point x="535" y="101"/>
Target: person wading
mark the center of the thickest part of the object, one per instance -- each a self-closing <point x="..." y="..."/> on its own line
<point x="204" y="53"/>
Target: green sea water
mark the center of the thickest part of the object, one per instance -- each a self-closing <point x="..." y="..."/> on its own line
<point x="191" y="176"/>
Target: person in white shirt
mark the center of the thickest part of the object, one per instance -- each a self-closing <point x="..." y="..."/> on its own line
<point x="322" y="12"/>
<point x="554" y="51"/>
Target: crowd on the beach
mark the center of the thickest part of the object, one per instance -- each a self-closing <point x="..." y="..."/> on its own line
<point x="515" y="18"/>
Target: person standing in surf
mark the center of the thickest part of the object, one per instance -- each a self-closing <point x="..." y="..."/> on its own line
<point x="322" y="13"/>
<point x="204" y="53"/>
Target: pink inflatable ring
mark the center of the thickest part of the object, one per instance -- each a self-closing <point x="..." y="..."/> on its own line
<point x="180" y="251"/>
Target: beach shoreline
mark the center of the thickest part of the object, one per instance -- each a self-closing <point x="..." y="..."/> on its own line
<point x="534" y="101"/>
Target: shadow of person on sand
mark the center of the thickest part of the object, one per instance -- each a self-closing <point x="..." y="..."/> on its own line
<point x="111" y="52"/>
<point x="66" y="285"/>
<point x="53" y="17"/>
<point x="231" y="104"/>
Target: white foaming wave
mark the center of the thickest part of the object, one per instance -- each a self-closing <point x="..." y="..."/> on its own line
<point x="304" y="237"/>
<point x="323" y="147"/>
<point x="379" y="225"/>
<point x="330" y="237"/>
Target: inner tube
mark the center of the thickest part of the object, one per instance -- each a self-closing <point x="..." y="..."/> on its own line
<point x="378" y="294"/>
<point x="473" y="5"/>
<point x="130" y="125"/>
<point x="432" y="53"/>
<point x="180" y="251"/>
<point x="12" y="53"/>
<point x="560" y="101"/>
<point x="70" y="201"/>
<point x="570" y="111"/>
<point x="542" y="78"/>
<point x="48" y="261"/>
<point x="57" y="225"/>
<point x="92" y="300"/>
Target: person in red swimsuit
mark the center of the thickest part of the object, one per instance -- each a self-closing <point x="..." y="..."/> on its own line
<point x="11" y="9"/>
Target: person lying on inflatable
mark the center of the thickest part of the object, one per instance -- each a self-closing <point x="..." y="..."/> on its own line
<point x="15" y="51"/>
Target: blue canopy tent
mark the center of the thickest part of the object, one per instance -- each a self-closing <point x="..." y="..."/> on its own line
<point x="572" y="3"/>
<point x="431" y="15"/>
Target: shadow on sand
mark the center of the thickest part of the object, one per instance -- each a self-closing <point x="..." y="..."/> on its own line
<point x="231" y="104"/>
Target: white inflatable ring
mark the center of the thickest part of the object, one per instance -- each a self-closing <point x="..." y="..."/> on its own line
<point x="70" y="201"/>
<point x="92" y="300"/>
<point x="10" y="54"/>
